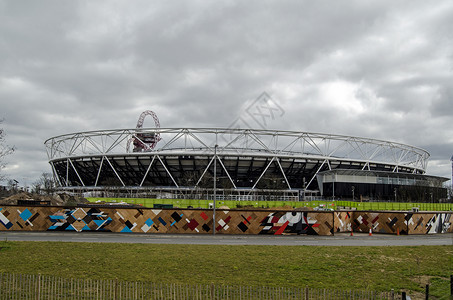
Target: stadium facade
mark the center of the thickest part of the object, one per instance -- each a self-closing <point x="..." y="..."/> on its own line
<point x="249" y="164"/>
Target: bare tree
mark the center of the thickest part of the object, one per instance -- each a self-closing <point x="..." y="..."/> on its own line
<point x="12" y="185"/>
<point x="45" y="183"/>
<point x="4" y="151"/>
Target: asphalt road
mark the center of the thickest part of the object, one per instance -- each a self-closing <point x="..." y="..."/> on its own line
<point x="342" y="239"/>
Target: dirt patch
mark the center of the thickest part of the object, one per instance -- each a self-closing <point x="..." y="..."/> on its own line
<point x="422" y="280"/>
<point x="384" y="258"/>
<point x="58" y="199"/>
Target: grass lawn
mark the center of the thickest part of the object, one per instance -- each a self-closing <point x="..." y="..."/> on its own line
<point x="373" y="268"/>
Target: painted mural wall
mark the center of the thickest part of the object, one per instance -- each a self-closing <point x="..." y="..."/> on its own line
<point x="394" y="222"/>
<point x="164" y="220"/>
<point x="146" y="220"/>
<point x="429" y="223"/>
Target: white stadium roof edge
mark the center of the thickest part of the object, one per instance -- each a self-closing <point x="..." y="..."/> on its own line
<point x="182" y="158"/>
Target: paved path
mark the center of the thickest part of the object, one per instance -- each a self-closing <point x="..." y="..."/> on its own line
<point x="342" y="239"/>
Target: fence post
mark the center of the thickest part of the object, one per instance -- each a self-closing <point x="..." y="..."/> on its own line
<point x="38" y="292"/>
<point x="115" y="289"/>
<point x="427" y="292"/>
<point x="451" y="286"/>
<point x="403" y="296"/>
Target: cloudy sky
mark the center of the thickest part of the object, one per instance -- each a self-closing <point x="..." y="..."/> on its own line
<point x="378" y="69"/>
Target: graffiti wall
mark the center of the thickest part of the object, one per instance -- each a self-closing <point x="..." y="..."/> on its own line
<point x="146" y="220"/>
<point x="393" y="222"/>
<point x="296" y="222"/>
<point x="343" y="221"/>
<point x="429" y="223"/>
<point x="379" y="222"/>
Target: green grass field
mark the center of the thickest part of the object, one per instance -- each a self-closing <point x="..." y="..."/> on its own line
<point x="184" y="203"/>
<point x="360" y="268"/>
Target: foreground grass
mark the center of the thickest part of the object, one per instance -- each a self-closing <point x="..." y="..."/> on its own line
<point x="374" y="268"/>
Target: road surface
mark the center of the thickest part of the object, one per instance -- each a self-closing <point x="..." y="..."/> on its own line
<point x="342" y="239"/>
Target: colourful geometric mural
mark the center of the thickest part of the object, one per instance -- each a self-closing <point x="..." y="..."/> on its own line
<point x="298" y="222"/>
<point x="342" y="221"/>
<point x="429" y="223"/>
<point x="79" y="219"/>
<point x="396" y="222"/>
<point x="24" y="218"/>
<point x="146" y="220"/>
<point x="381" y="222"/>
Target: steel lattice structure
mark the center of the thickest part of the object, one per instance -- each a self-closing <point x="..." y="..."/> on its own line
<point x="246" y="158"/>
<point x="145" y="141"/>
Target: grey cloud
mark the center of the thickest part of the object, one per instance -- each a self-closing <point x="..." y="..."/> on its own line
<point x="442" y="105"/>
<point x="70" y="66"/>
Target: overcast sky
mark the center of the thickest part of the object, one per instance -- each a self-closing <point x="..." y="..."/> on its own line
<point x="378" y="69"/>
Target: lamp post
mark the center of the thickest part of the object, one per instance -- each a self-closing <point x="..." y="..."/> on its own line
<point x="215" y="188"/>
<point x="353" y="188"/>
<point x="333" y="188"/>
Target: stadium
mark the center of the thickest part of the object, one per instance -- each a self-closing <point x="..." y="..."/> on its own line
<point x="240" y="164"/>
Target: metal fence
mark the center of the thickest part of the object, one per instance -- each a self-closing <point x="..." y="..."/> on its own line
<point x="395" y="206"/>
<point x="40" y="287"/>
